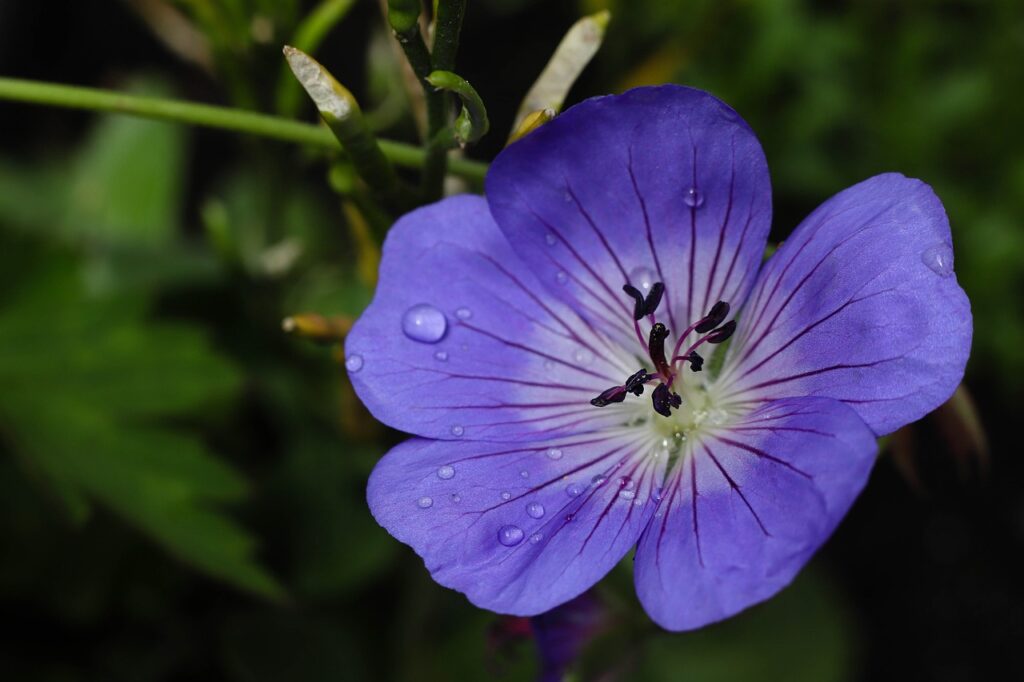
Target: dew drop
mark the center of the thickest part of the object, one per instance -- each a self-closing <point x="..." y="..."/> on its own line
<point x="510" y="536"/>
<point x="535" y="510"/>
<point x="561" y="277"/>
<point x="455" y="498"/>
<point x="550" y="239"/>
<point x="554" y="453"/>
<point x="627" y="483"/>
<point x="441" y="355"/>
<point x="940" y="259"/>
<point x="445" y="472"/>
<point x="642" y="278"/>
<point x="583" y="356"/>
<point x="424" y="323"/>
<point x="457" y="430"/>
<point x="425" y="502"/>
<point x="573" y="489"/>
<point x="656" y="494"/>
<point x="506" y="495"/>
<point x="535" y="538"/>
<point x="569" y="517"/>
<point x="463" y="313"/>
<point x="599" y="480"/>
<point x="549" y="365"/>
<point x="627" y="494"/>
<point x="524" y="474"/>
<point x="354" y="363"/>
<point x="693" y="198"/>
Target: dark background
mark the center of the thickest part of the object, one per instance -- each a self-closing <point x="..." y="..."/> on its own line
<point x="182" y="485"/>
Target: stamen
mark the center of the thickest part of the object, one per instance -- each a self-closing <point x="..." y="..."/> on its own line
<point x="664" y="400"/>
<point x="615" y="394"/>
<point x="635" y="383"/>
<point x="654" y="298"/>
<point x="638" y="301"/>
<point x="645" y="306"/>
<point x="718" y="313"/>
<point x="722" y="333"/>
<point x="696" y="361"/>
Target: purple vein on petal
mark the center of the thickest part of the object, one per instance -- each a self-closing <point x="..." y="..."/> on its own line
<point x="736" y="489"/>
<point x="721" y="231"/>
<point x="669" y="293"/>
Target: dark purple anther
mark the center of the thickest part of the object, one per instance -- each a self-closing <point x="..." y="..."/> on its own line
<point x="635" y="383"/>
<point x="664" y="400"/>
<point x="654" y="298"/>
<point x="615" y="394"/>
<point x="696" y="361"/>
<point x="639" y="306"/>
<point x="722" y="333"/>
<point x="718" y="313"/>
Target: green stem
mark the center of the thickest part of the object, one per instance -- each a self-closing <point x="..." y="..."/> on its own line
<point x="404" y="19"/>
<point x="210" y="116"/>
<point x="448" y="25"/>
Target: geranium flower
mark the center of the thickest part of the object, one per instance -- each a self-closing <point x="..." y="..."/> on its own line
<point x="542" y="344"/>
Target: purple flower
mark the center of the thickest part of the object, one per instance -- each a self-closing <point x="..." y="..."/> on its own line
<point x="543" y="345"/>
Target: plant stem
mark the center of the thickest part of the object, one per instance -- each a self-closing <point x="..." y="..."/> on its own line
<point x="448" y="24"/>
<point x="224" y="118"/>
<point x="404" y="20"/>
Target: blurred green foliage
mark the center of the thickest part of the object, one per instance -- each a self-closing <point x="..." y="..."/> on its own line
<point x="151" y="408"/>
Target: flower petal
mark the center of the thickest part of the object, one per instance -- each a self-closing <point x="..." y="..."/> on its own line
<point x="658" y="184"/>
<point x="860" y="304"/>
<point x="458" y="343"/>
<point x="747" y="507"/>
<point x="519" y="529"/>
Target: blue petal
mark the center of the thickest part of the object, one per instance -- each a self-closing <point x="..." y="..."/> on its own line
<point x="747" y="507"/>
<point x="461" y="343"/>
<point x="658" y="184"/>
<point x="518" y="529"/>
<point x="861" y="304"/>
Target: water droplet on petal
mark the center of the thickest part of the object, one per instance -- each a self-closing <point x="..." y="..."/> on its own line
<point x="599" y="480"/>
<point x="354" y="363"/>
<point x="424" y="323"/>
<point x="424" y="502"/>
<point x="627" y="483"/>
<point x="455" y="498"/>
<point x="524" y="474"/>
<point x="457" y="430"/>
<point x="693" y="198"/>
<point x="627" y="494"/>
<point x="535" y="509"/>
<point x="441" y="355"/>
<point x="940" y="259"/>
<point x="656" y="494"/>
<point x="550" y="239"/>
<point x="554" y="453"/>
<point x="535" y="538"/>
<point x="583" y="356"/>
<point x="569" y="517"/>
<point x="463" y="313"/>
<point x="506" y="495"/>
<point x="445" y="472"/>
<point x="643" y="279"/>
<point x="549" y="365"/>
<point x="561" y="277"/>
<point x="573" y="489"/>
<point x="510" y="536"/>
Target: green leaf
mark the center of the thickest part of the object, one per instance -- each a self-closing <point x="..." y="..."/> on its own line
<point x="90" y="387"/>
<point x="126" y="183"/>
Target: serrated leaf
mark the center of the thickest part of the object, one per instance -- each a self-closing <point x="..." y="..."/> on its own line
<point x="90" y="387"/>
